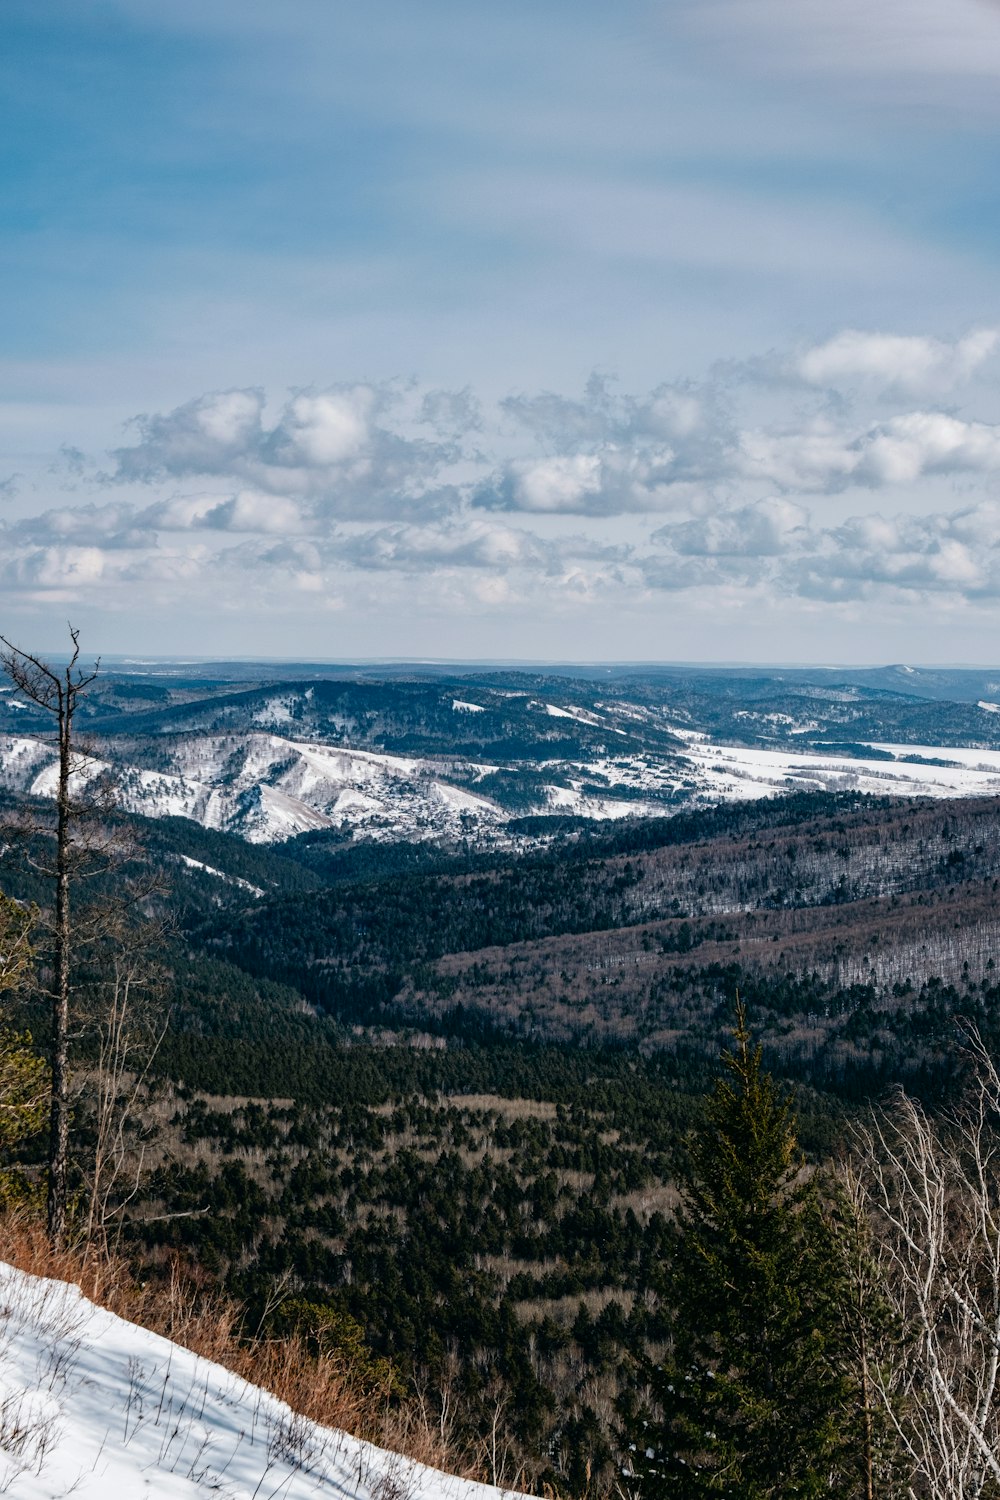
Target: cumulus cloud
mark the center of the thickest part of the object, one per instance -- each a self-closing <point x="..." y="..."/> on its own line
<point x="335" y="449"/>
<point x="420" y="548"/>
<point x="822" y="456"/>
<point x="247" y="510"/>
<point x="896" y="364"/>
<point x="365" y="452"/>
<point x="472" y="543"/>
<point x="110" y="526"/>
<point x="925" y="442"/>
<point x="379" y="488"/>
<point x="604" y="454"/>
<point x="207" y="435"/>
<point x="779" y="546"/>
<point x="614" y="480"/>
<point x="766" y="529"/>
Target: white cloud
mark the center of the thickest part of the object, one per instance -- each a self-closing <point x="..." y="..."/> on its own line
<point x="424" y="548"/>
<point x="896" y="364"/>
<point x="922" y="442"/>
<point x="766" y="529"/>
<point x="366" y="494"/>
<point x="614" y="480"/>
<point x="569" y="482"/>
<point x="334" y="449"/>
<point x="110" y="525"/>
<point x="204" y="436"/>
<point x="941" y="554"/>
<point x="350" y="452"/>
<point x="816" y="455"/>
<point x="249" y="510"/>
<point x="821" y="456"/>
<point x="325" y="430"/>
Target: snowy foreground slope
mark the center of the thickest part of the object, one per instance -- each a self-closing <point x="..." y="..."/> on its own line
<point x="100" y="1409"/>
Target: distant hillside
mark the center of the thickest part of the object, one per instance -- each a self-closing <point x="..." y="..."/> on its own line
<point x="433" y="758"/>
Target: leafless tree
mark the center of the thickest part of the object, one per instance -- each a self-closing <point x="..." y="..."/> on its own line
<point x="932" y="1189"/>
<point x="127" y="1028"/>
<point x="59" y="691"/>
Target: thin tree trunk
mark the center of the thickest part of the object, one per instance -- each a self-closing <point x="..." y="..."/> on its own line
<point x="869" y="1438"/>
<point x="59" y="1123"/>
<point x="58" y="692"/>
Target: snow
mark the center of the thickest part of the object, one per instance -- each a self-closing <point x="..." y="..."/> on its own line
<point x="740" y="773"/>
<point x="693" y="736"/>
<point x="274" y="711"/>
<point x="265" y="787"/>
<point x="601" y="809"/>
<point x="101" y="1409"/>
<point x="460" y="707"/>
<point x="985" y="761"/>
<point x="581" y="715"/>
<point x="988" y="708"/>
<point x="197" y="864"/>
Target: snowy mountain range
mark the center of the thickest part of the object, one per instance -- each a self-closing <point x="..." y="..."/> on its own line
<point x="469" y="758"/>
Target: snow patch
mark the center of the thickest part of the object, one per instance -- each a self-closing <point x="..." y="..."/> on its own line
<point x="101" y="1409"/>
<point x="581" y="715"/>
<point x="196" y="864"/>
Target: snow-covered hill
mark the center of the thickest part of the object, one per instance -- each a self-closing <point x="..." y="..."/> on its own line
<point x="265" y="787"/>
<point x="100" y="1409"/>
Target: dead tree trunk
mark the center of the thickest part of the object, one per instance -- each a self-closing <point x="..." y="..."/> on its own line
<point x="58" y="692"/>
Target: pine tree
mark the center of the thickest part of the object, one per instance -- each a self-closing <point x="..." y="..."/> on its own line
<point x="752" y="1401"/>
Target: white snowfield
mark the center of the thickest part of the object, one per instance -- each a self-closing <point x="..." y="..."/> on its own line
<point x="100" y="1409"/>
<point x="737" y="773"/>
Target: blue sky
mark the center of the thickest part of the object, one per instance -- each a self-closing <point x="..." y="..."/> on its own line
<point x="648" y="331"/>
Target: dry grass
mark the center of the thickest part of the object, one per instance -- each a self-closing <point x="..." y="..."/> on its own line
<point x="508" y="1109"/>
<point x="320" y="1387"/>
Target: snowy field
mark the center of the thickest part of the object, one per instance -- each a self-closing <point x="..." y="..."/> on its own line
<point x="734" y="773"/>
<point x="100" y="1409"/>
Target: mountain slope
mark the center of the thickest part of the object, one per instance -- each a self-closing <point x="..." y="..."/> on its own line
<point x="265" y="787"/>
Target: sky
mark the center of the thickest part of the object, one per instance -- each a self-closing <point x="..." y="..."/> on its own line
<point x="655" y="331"/>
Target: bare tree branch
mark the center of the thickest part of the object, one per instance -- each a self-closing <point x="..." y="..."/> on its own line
<point x="932" y="1189"/>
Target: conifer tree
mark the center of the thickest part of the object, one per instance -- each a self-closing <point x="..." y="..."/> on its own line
<point x="751" y="1402"/>
<point x="24" y="1080"/>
